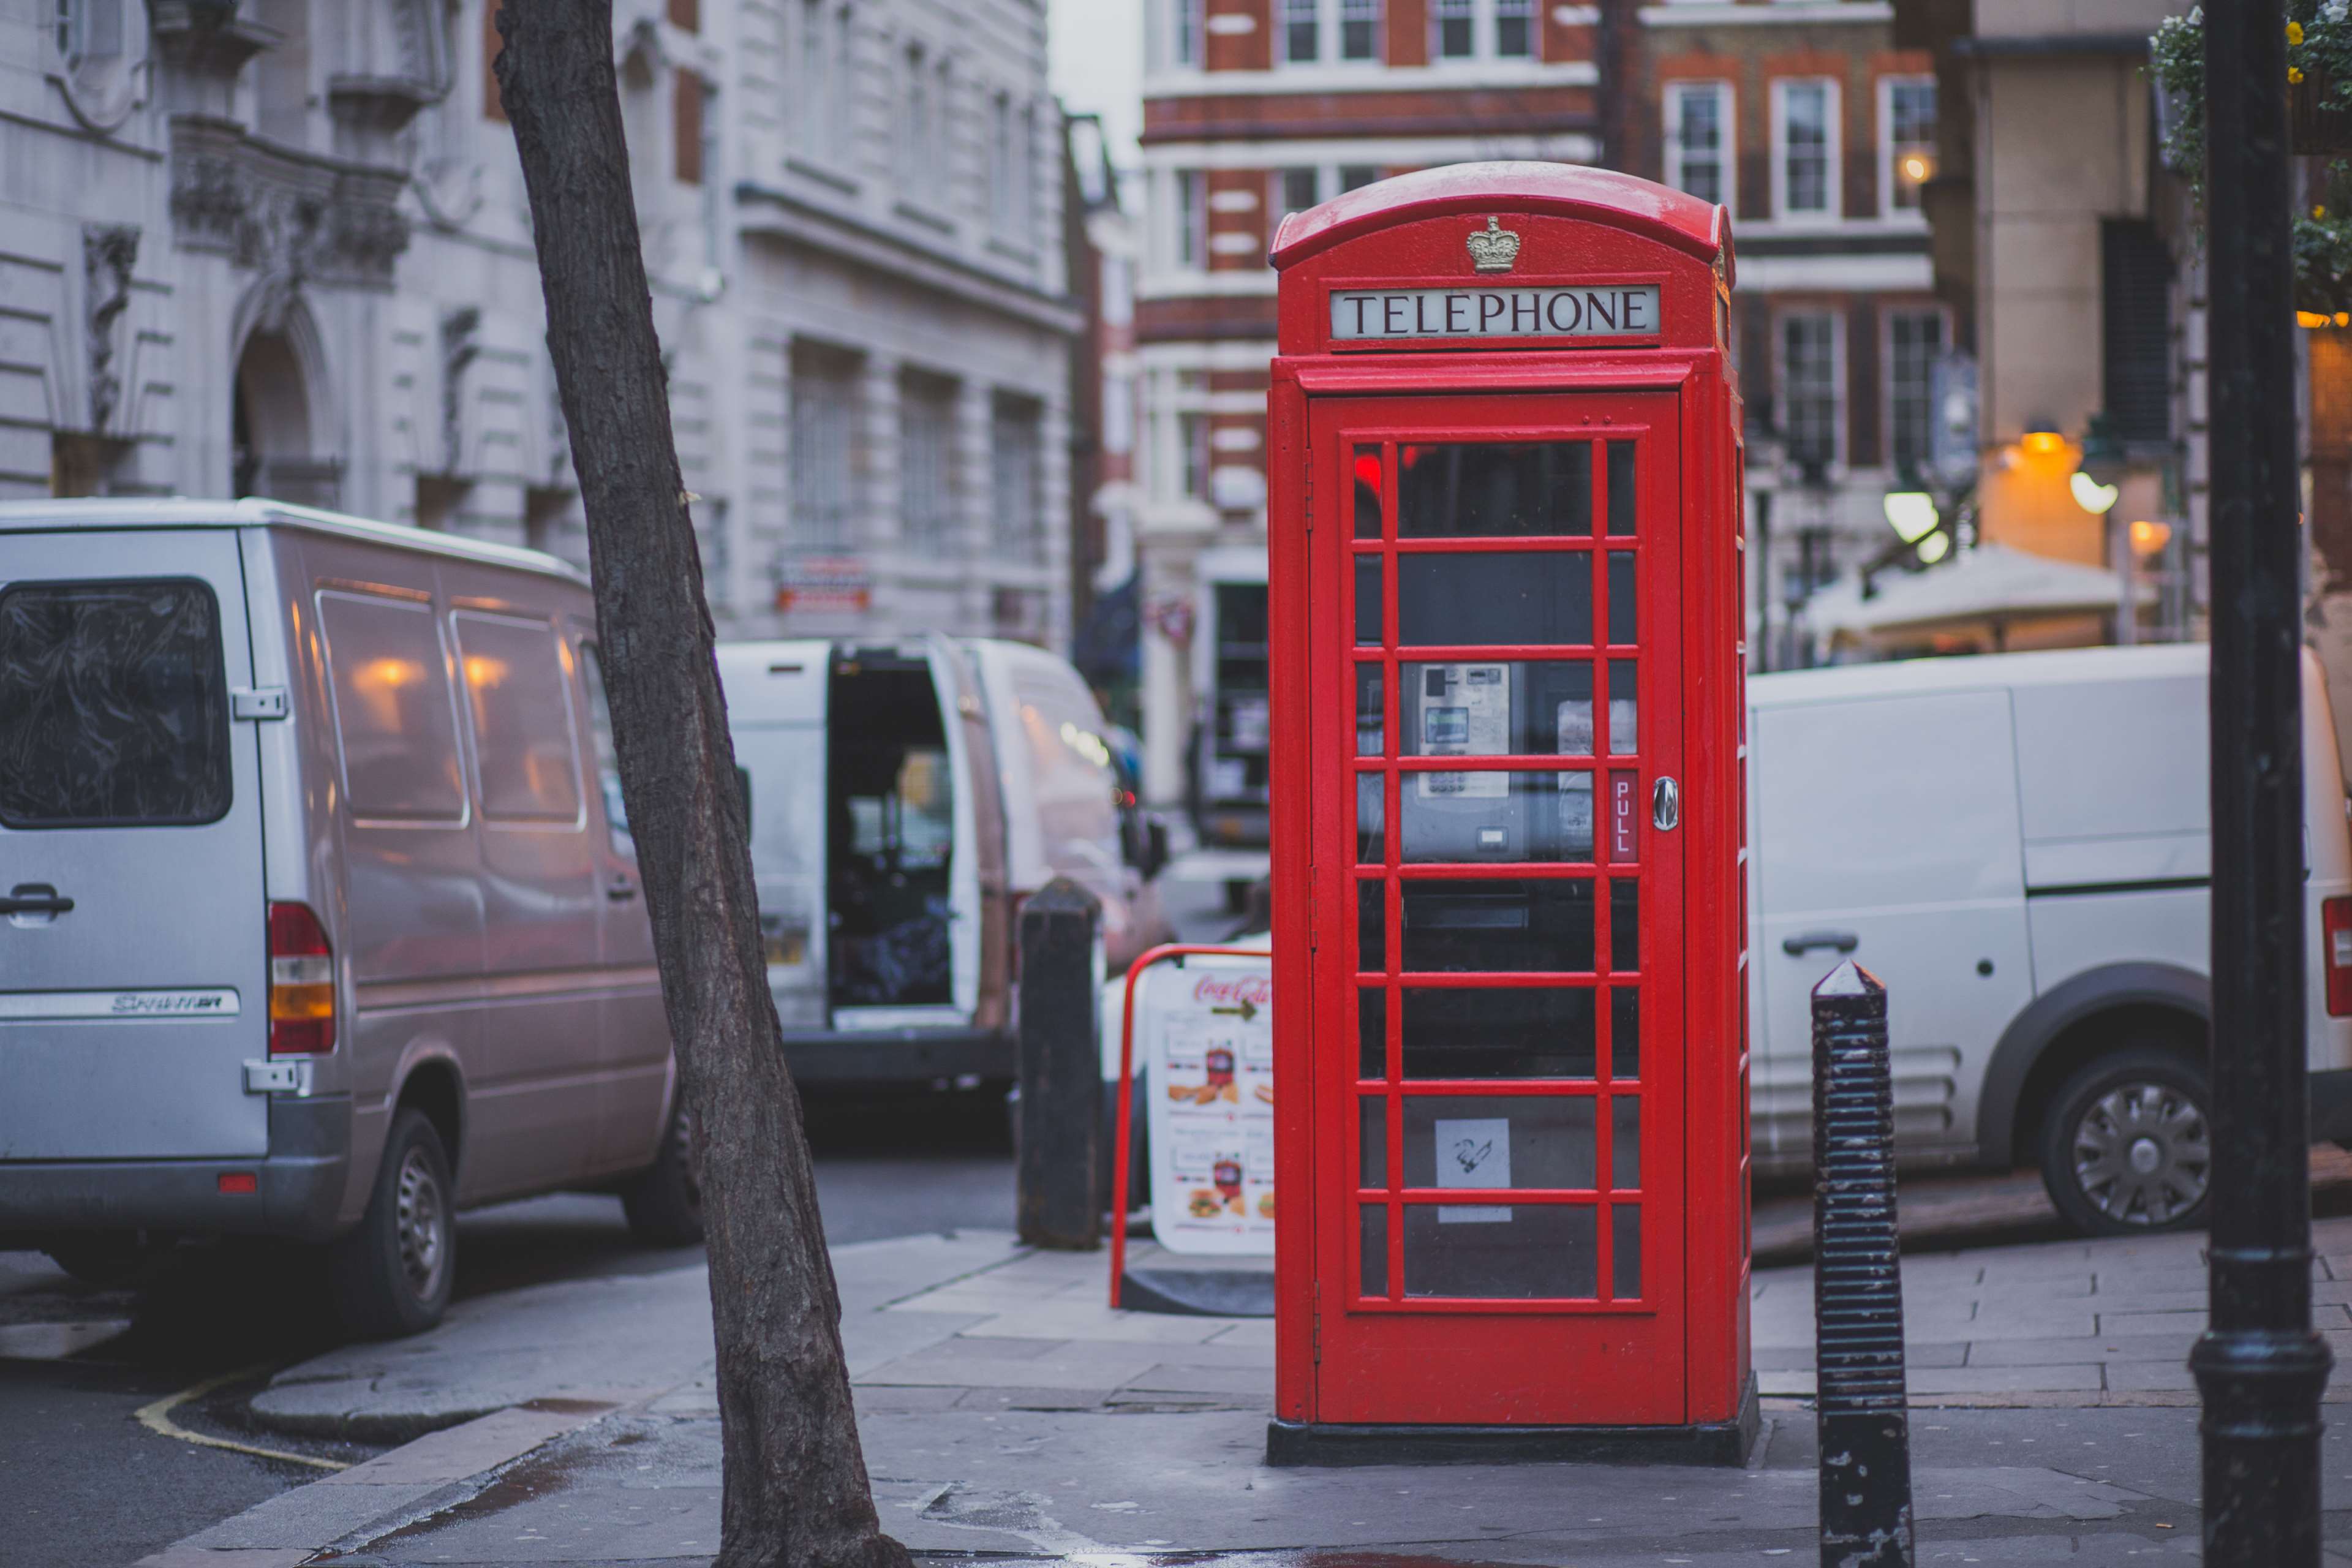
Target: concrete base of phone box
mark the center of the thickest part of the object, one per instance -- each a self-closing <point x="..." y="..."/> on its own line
<point x="1303" y="1443"/>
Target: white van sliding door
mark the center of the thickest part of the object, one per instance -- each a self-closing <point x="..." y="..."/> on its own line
<point x="1888" y="833"/>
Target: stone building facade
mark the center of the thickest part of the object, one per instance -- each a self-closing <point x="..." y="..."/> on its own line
<point x="282" y="247"/>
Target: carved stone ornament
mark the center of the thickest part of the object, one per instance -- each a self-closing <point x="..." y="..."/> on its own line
<point x="1493" y="248"/>
<point x="278" y="211"/>
<point x="109" y="252"/>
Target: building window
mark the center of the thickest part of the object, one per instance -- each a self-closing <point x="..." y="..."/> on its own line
<point x="926" y="462"/>
<point x="1002" y="185"/>
<point x="841" y="127"/>
<point x="1024" y="171"/>
<point x="1809" y="387"/>
<point x="2135" y="329"/>
<point x="1193" y="455"/>
<point x="686" y="126"/>
<point x="1804" y="161"/>
<point x="1356" y="176"/>
<point x="1455" y="25"/>
<point x="1907" y="155"/>
<point x="1192" y="219"/>
<point x="686" y="15"/>
<point x="1294" y="191"/>
<point x="915" y="127"/>
<point x="1013" y="468"/>
<point x="1188" y="22"/>
<point x="1360" y="29"/>
<point x="1698" y="138"/>
<point x="1915" y="339"/>
<point x="824" y="433"/>
<point x="814" y="76"/>
<point x="1302" y="31"/>
<point x="1514" y="29"/>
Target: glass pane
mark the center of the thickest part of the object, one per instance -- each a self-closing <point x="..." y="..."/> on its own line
<point x="1371" y="927"/>
<point x="1625" y="1246"/>
<point x="1368" y="601"/>
<point x="1625" y="1143"/>
<point x="1624" y="620"/>
<point x="1624" y="1031"/>
<point x="1500" y="816"/>
<point x="1528" y="1251"/>
<point x="1529" y="708"/>
<point x="1458" y="927"/>
<point x="114" y="708"/>
<point x="1495" y="1141"/>
<point x="1488" y="488"/>
<point x="1521" y="596"/>
<point x="1372" y="1141"/>
<point x="1371" y="711"/>
<point x="1372" y="1032"/>
<point x="1366" y="473"/>
<point x="1375" y="1236"/>
<point x="1624" y="926"/>
<point x="393" y="714"/>
<point x="1371" y="819"/>
<point x="1623" y="498"/>
<point x="1624" y="708"/>
<point x="1522" y="1032"/>
<point x="523" y="753"/>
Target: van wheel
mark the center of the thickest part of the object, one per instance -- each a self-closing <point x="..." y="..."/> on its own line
<point x="392" y="1276"/>
<point x="665" y="1202"/>
<point x="2127" y="1147"/>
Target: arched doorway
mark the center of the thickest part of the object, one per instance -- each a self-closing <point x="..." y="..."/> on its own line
<point x="270" y="441"/>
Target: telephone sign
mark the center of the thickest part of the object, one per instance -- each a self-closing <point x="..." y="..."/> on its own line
<point x="1505" y="569"/>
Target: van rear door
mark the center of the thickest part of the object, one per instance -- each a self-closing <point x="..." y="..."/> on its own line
<point x="133" y="962"/>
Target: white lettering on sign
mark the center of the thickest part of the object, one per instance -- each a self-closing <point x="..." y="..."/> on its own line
<point x="1612" y="311"/>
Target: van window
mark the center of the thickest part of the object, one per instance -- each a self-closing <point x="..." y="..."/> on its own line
<point x="1070" y="773"/>
<point x="525" y="763"/>
<point x="114" y="705"/>
<point x="393" y="715"/>
<point x="608" y="765"/>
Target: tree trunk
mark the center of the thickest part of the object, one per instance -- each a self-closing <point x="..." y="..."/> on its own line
<point x="795" y="1485"/>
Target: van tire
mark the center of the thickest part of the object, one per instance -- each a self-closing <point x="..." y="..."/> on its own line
<point x="664" y="1203"/>
<point x="392" y="1276"/>
<point x="2127" y="1145"/>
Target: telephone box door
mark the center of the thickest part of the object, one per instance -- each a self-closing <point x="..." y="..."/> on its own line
<point x="1495" y="691"/>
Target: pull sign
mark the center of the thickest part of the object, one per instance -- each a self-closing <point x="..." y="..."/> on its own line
<point x="1624" y="817"/>
<point x="258" y="703"/>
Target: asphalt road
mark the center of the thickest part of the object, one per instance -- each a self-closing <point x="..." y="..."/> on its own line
<point x="83" y="1481"/>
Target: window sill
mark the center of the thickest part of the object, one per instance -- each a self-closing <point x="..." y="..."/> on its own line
<point x="924" y="217"/>
<point x="1023" y="254"/>
<point x="822" y="176"/>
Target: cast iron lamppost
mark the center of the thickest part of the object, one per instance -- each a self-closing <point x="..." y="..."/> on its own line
<point x="2260" y="1369"/>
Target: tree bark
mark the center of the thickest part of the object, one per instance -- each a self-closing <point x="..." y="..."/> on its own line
<point x="796" y="1490"/>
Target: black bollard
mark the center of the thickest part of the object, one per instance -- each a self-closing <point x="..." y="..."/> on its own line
<point x="1061" y="1068"/>
<point x="1866" y="1435"/>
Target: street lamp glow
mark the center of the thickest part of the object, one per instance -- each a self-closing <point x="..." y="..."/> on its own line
<point x="2148" y="538"/>
<point x="1934" y="547"/>
<point x="1911" y="514"/>
<point x="2092" y="496"/>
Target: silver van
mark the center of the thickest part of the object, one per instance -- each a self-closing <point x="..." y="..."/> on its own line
<point x="321" y="915"/>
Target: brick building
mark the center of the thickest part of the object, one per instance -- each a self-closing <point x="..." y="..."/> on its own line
<point x="1253" y="109"/>
<point x="1803" y="119"/>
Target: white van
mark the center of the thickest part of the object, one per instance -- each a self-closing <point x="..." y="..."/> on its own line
<point x="321" y="917"/>
<point x="2016" y="845"/>
<point x="905" y="797"/>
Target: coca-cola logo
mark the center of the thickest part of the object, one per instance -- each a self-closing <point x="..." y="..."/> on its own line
<point x="1231" y="990"/>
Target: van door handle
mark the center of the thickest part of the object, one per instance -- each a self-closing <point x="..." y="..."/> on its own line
<point x="619" y="888"/>
<point x="1805" y="942"/>
<point x="34" y="898"/>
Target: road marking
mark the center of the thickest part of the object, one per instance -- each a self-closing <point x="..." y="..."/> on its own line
<point x="157" y="1418"/>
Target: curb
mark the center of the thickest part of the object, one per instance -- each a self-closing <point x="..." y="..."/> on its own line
<point x="346" y="1510"/>
<point x="364" y="1426"/>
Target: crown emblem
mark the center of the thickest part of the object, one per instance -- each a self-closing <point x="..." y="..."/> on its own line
<point x="1494" y="247"/>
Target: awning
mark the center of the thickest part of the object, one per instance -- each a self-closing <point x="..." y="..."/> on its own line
<point x="1991" y="583"/>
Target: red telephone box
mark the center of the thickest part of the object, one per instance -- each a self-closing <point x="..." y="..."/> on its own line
<point x="1508" y="823"/>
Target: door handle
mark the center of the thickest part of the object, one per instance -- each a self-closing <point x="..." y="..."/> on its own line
<point x="620" y="889"/>
<point x="1805" y="942"/>
<point x="34" y="898"/>
<point x="1665" y="804"/>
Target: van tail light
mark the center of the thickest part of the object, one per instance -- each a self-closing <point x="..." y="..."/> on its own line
<point x="301" y="984"/>
<point x="2335" y="939"/>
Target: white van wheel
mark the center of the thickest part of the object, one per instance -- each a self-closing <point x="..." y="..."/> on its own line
<point x="2128" y="1146"/>
<point x="392" y="1276"/>
<point x="665" y="1203"/>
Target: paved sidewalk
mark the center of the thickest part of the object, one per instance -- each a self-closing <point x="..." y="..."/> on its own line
<point x="1006" y="1410"/>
